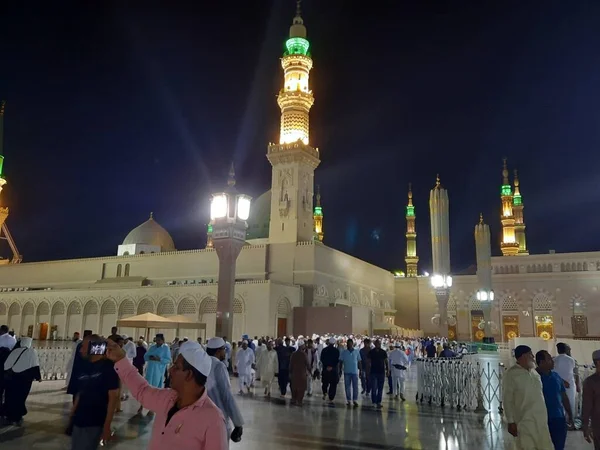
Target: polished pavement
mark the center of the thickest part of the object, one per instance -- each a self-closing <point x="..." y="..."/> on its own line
<point x="275" y="424"/>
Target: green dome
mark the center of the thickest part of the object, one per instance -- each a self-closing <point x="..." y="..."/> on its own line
<point x="260" y="217"/>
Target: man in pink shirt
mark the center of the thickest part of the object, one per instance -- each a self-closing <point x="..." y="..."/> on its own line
<point x="186" y="419"/>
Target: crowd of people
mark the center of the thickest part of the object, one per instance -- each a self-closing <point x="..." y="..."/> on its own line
<point x="539" y="398"/>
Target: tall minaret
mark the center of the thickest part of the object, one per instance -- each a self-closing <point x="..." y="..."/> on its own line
<point x="519" y="220"/>
<point x="485" y="294"/>
<point x="294" y="161"/>
<point x="440" y="247"/>
<point x="411" y="237"/>
<point x="318" y="218"/>
<point x="509" y="245"/>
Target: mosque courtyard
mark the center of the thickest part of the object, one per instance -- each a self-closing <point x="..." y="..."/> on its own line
<point x="276" y="425"/>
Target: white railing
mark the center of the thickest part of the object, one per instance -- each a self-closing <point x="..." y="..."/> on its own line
<point x="459" y="383"/>
<point x="54" y="359"/>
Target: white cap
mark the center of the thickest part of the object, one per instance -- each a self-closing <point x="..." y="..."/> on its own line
<point x="125" y="337"/>
<point x="244" y="341"/>
<point x="397" y="344"/>
<point x="215" y="342"/>
<point x="300" y="342"/>
<point x="197" y="357"/>
<point x="332" y="340"/>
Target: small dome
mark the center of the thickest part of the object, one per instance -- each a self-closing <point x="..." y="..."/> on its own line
<point x="151" y="233"/>
<point x="260" y="217"/>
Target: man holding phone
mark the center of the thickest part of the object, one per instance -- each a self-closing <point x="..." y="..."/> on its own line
<point x="97" y="396"/>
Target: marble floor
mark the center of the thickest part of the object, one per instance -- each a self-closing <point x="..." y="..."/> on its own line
<point x="275" y="425"/>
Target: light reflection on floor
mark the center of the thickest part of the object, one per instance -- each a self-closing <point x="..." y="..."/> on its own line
<point x="275" y="425"/>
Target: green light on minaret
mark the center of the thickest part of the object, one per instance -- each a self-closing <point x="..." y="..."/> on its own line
<point x="410" y="211"/>
<point x="297" y="46"/>
<point x="517" y="200"/>
<point x="318" y="211"/>
<point x="209" y="229"/>
<point x="506" y="190"/>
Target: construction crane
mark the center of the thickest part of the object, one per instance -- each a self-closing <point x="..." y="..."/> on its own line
<point x="4" y="233"/>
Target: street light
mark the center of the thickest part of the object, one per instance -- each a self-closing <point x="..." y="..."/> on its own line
<point x="229" y="211"/>
<point x="441" y="281"/>
<point x="486" y="297"/>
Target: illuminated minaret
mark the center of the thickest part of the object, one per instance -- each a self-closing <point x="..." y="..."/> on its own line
<point x="519" y="221"/>
<point x="293" y="159"/>
<point x="411" y="237"/>
<point x="509" y="245"/>
<point x="440" y="248"/>
<point x="318" y="218"/>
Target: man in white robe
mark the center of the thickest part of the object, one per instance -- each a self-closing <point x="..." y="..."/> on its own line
<point x="564" y="366"/>
<point x="524" y="404"/>
<point x="267" y="366"/>
<point x="399" y="364"/>
<point x="260" y="348"/>
<point x="76" y="340"/>
<point x="130" y="352"/>
<point x="244" y="364"/>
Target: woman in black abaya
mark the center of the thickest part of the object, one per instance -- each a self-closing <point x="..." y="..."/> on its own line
<point x="20" y="369"/>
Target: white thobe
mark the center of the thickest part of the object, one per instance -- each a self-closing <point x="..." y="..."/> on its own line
<point x="218" y="387"/>
<point x="525" y="406"/>
<point x="260" y="349"/>
<point x="267" y="366"/>
<point x="8" y="341"/>
<point x="564" y="366"/>
<point x="243" y="361"/>
<point x="398" y="357"/>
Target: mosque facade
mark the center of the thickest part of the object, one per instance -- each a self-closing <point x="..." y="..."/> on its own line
<point x="288" y="281"/>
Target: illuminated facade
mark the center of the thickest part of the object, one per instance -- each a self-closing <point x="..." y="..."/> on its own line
<point x="411" y="257"/>
<point x="318" y="218"/>
<point x="519" y="220"/>
<point x="509" y="245"/>
<point x="293" y="160"/>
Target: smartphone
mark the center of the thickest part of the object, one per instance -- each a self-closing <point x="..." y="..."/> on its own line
<point x="97" y="348"/>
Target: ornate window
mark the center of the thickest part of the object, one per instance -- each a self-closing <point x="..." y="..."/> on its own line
<point x="127" y="269"/>
<point x="119" y="270"/>
<point x="208" y="306"/>
<point x="145" y="306"/>
<point x="186" y="306"/>
<point x="126" y="308"/>
<point x="108" y="307"/>
<point x="542" y="301"/>
<point x="166" y="307"/>
<point x="91" y="307"/>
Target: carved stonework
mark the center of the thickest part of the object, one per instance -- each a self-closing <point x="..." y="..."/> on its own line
<point x="337" y="294"/>
<point x="321" y="291"/>
<point x="353" y="298"/>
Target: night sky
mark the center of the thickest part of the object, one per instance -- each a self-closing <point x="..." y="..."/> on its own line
<point x="116" y="111"/>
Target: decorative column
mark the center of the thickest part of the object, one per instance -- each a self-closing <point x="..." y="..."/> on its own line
<point x="229" y="211"/>
<point x="509" y="244"/>
<point x="519" y="219"/>
<point x="485" y="294"/>
<point x="440" y="247"/>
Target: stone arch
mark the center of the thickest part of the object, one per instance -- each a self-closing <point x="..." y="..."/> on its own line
<point x="91" y="316"/>
<point x="126" y="308"/>
<point x="74" y="319"/>
<point x="508" y="301"/>
<point x="284" y="307"/>
<point x="542" y="301"/>
<point x="119" y="269"/>
<point x="283" y="317"/>
<point x="127" y="267"/>
<point x="14" y="316"/>
<point x="208" y="314"/>
<point x="27" y="320"/>
<point x="166" y="307"/>
<point x="58" y="320"/>
<point x="239" y="317"/>
<point x="108" y="316"/>
<point x="42" y="315"/>
<point x="239" y="305"/>
<point x="187" y="307"/>
<point x="3" y="312"/>
<point x="145" y="306"/>
<point x="579" y="267"/>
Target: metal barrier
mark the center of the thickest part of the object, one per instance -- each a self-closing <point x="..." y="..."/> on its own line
<point x="54" y="361"/>
<point x="460" y="383"/>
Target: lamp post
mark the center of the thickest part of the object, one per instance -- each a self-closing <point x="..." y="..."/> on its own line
<point x="485" y="293"/>
<point x="229" y="211"/>
<point x="442" y="285"/>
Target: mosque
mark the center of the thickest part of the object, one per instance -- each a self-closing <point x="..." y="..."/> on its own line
<point x="288" y="281"/>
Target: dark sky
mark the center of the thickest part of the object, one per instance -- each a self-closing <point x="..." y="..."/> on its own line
<point x="116" y="111"/>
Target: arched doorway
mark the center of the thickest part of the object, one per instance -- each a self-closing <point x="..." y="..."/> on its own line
<point x="91" y="316"/>
<point x="284" y="312"/>
<point x="42" y="321"/>
<point x="208" y="315"/>
<point x="58" y="321"/>
<point x="108" y="316"/>
<point x="74" y="318"/>
<point x="14" y="317"/>
<point x="28" y="320"/>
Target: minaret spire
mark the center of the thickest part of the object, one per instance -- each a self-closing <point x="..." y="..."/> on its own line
<point x="411" y="257"/>
<point x="231" y="179"/>
<point x="509" y="246"/>
<point x="519" y="219"/>
<point x="293" y="160"/>
<point x="318" y="217"/>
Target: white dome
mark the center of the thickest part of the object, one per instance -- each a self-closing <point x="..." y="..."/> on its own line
<point x="151" y="233"/>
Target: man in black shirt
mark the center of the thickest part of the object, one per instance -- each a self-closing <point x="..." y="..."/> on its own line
<point x="98" y="392"/>
<point x="364" y="360"/>
<point x="330" y="358"/>
<point x="378" y="369"/>
<point x="284" y="352"/>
